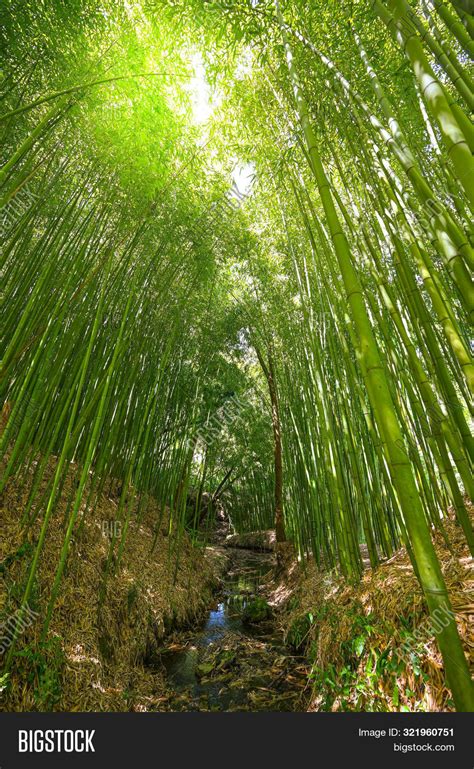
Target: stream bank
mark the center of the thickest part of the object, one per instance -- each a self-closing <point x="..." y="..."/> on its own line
<point x="237" y="659"/>
<point x="108" y="656"/>
<point x="370" y="645"/>
<point x="175" y="633"/>
<point x="94" y="656"/>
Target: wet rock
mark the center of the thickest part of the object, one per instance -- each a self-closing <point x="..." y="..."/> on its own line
<point x="226" y="659"/>
<point x="258" y="682"/>
<point x="256" y="611"/>
<point x="204" y="669"/>
<point x="254" y="540"/>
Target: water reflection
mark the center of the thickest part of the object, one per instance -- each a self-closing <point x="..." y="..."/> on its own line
<point x="224" y="622"/>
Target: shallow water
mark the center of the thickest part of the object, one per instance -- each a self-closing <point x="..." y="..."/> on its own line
<point x="231" y="665"/>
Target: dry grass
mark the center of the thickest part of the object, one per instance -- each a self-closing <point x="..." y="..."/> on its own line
<point x="390" y="602"/>
<point x="95" y="655"/>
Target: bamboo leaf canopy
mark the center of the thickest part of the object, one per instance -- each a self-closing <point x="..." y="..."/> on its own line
<point x="237" y="255"/>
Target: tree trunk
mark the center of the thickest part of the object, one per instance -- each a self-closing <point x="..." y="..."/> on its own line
<point x="269" y="372"/>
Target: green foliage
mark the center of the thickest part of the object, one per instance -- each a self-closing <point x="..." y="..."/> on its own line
<point x="299" y="631"/>
<point x="42" y="667"/>
<point x="257" y="610"/>
<point x="25" y="549"/>
<point x="372" y="676"/>
<point x="136" y="297"/>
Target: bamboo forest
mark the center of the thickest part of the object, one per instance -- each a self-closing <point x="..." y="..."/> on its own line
<point x="237" y="375"/>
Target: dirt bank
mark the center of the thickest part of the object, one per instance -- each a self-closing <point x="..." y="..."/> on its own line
<point x="371" y="645"/>
<point x="236" y="660"/>
<point x="361" y="644"/>
<point x="95" y="655"/>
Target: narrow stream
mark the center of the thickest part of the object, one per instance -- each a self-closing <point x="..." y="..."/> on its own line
<point x="231" y="663"/>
